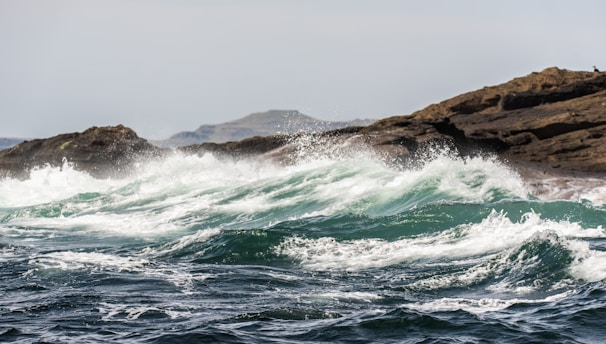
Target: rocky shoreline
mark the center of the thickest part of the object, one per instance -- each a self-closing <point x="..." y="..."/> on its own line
<point x="553" y="121"/>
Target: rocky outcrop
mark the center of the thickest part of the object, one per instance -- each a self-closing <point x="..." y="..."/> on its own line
<point x="103" y="152"/>
<point x="240" y="149"/>
<point x="555" y="120"/>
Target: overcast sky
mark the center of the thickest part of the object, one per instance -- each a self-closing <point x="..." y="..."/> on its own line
<point x="164" y="66"/>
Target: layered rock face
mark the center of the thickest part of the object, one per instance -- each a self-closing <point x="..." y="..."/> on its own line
<point x="555" y="119"/>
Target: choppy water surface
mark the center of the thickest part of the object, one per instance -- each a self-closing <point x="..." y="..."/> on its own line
<point x="332" y="249"/>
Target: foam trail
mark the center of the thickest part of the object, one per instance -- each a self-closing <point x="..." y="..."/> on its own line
<point x="49" y="184"/>
<point x="494" y="234"/>
<point x="180" y="192"/>
<point x="478" y="306"/>
<point x="68" y="260"/>
<point x="571" y="188"/>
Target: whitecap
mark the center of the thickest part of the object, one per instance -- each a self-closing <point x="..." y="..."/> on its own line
<point x="69" y="260"/>
<point x="478" y="306"/>
<point x="494" y="234"/>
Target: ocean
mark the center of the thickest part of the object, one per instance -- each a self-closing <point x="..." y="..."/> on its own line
<point x="338" y="247"/>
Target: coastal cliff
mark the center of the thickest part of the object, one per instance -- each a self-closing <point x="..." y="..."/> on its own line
<point x="554" y="119"/>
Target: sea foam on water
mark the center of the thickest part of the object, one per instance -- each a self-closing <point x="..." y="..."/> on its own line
<point x="340" y="240"/>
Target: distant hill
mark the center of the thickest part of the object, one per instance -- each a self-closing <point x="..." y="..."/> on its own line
<point x="257" y="124"/>
<point x="6" y="143"/>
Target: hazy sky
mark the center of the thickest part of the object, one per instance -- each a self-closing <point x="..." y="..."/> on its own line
<point x="163" y="66"/>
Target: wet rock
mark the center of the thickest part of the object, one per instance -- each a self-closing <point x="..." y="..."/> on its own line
<point x="240" y="149"/>
<point x="103" y="152"/>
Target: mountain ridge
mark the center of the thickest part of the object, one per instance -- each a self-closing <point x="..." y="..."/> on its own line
<point x="265" y="123"/>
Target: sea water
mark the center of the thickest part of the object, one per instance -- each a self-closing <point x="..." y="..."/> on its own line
<point x="336" y="247"/>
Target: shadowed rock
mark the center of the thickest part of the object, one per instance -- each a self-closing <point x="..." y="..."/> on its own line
<point x="555" y="118"/>
<point x="103" y="152"/>
<point x="528" y="99"/>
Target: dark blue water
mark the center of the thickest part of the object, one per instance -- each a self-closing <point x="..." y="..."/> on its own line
<point x="347" y="249"/>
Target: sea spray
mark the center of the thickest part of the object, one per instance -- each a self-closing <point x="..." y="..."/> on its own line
<point x="336" y="243"/>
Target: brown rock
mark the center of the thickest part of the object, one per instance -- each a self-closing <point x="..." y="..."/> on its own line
<point x="103" y="152"/>
<point x="556" y="118"/>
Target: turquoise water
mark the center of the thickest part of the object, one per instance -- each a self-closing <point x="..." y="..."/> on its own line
<point x="336" y="248"/>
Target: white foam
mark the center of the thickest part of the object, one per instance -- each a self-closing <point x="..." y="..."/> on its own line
<point x="494" y="234"/>
<point x="368" y="186"/>
<point x="179" y="191"/>
<point x="69" y="260"/>
<point x="344" y="178"/>
<point x="49" y="184"/>
<point x="506" y="267"/>
<point x="178" y="171"/>
<point x="344" y="296"/>
<point x="588" y="265"/>
<point x="101" y="262"/>
<point x="184" y="241"/>
<point x="9" y="253"/>
<point x="142" y="224"/>
<point x="475" y="179"/>
<point x="179" y="276"/>
<point x="477" y="306"/>
<point x="570" y="188"/>
<point x="131" y="312"/>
